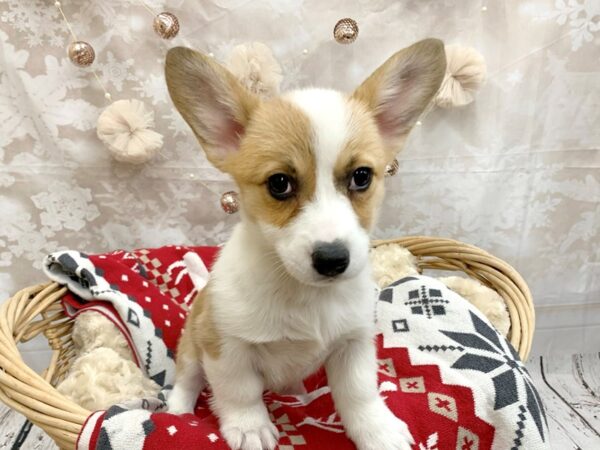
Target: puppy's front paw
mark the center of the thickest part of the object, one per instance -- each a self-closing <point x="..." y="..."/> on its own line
<point x="249" y="430"/>
<point x="381" y="430"/>
<point x="180" y="401"/>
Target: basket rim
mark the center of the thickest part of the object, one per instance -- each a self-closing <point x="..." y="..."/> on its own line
<point x="21" y="388"/>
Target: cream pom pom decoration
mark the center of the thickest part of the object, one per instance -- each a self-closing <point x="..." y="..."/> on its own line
<point x="126" y="128"/>
<point x="465" y="73"/>
<point x="256" y="68"/>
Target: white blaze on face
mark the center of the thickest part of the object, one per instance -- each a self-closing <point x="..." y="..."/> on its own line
<point x="329" y="215"/>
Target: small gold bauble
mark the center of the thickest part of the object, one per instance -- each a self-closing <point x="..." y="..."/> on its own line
<point x="345" y="31"/>
<point x="392" y="168"/>
<point x="230" y="202"/>
<point x="81" y="53"/>
<point x="166" y="25"/>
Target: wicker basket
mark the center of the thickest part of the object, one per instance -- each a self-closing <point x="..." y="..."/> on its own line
<point x="37" y="309"/>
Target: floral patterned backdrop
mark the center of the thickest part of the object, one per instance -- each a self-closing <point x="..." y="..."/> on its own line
<point x="517" y="172"/>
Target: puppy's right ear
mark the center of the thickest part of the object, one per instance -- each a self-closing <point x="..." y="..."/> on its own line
<point x="211" y="101"/>
<point x="401" y="88"/>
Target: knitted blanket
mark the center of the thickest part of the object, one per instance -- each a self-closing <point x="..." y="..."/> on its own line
<point x="443" y="369"/>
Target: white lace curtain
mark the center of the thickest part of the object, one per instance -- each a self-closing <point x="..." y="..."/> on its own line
<point x="517" y="172"/>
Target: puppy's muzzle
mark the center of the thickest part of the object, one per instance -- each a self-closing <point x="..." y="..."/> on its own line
<point x="330" y="258"/>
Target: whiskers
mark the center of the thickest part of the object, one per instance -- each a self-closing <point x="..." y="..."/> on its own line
<point x="278" y="273"/>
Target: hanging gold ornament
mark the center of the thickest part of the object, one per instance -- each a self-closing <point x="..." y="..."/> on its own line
<point x="345" y="31"/>
<point x="166" y="25"/>
<point x="230" y="202"/>
<point x="81" y="53"/>
<point x="392" y="168"/>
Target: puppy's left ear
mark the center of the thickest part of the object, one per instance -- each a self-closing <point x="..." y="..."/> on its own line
<point x="400" y="89"/>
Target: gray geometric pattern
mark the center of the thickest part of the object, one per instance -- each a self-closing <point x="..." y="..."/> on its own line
<point x="437" y="348"/>
<point x="400" y="325"/>
<point x="159" y="378"/>
<point x="387" y="294"/>
<point x="520" y="426"/>
<point x="133" y="318"/>
<point x="426" y="301"/>
<point x="486" y="351"/>
<point x="148" y="355"/>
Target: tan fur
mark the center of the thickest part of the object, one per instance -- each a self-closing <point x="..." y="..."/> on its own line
<point x="363" y="149"/>
<point x="278" y="140"/>
<point x="417" y="73"/>
<point x="200" y="334"/>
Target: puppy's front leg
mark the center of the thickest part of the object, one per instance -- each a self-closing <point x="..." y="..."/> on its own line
<point x="238" y="399"/>
<point x="352" y="375"/>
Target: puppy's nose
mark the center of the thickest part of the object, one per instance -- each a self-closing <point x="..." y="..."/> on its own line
<point x="330" y="258"/>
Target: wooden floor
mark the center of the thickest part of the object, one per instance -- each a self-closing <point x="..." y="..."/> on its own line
<point x="569" y="386"/>
<point x="570" y="389"/>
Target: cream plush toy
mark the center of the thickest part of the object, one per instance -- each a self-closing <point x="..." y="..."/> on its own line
<point x="103" y="372"/>
<point x="391" y="262"/>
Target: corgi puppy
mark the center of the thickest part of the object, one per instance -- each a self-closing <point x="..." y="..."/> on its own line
<point x="291" y="290"/>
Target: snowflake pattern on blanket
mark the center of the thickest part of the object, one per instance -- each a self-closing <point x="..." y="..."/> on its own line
<point x="443" y="369"/>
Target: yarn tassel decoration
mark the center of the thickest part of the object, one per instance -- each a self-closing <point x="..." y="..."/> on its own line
<point x="256" y="68"/>
<point x="125" y="127"/>
<point x="465" y="73"/>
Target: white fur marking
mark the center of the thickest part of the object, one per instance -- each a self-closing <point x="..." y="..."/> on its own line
<point x="329" y="117"/>
<point x="330" y="215"/>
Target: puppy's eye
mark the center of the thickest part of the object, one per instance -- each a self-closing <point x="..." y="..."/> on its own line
<point x="361" y="179"/>
<point x="280" y="186"/>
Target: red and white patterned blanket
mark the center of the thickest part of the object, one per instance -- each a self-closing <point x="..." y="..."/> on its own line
<point x="443" y="369"/>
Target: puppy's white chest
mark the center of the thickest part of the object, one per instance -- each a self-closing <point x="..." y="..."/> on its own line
<point x="285" y="363"/>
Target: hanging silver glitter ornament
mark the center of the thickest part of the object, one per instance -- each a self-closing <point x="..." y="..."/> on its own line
<point x="345" y="31"/>
<point x="81" y="53"/>
<point x="392" y="168"/>
<point x="166" y="25"/>
<point x="230" y="202"/>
